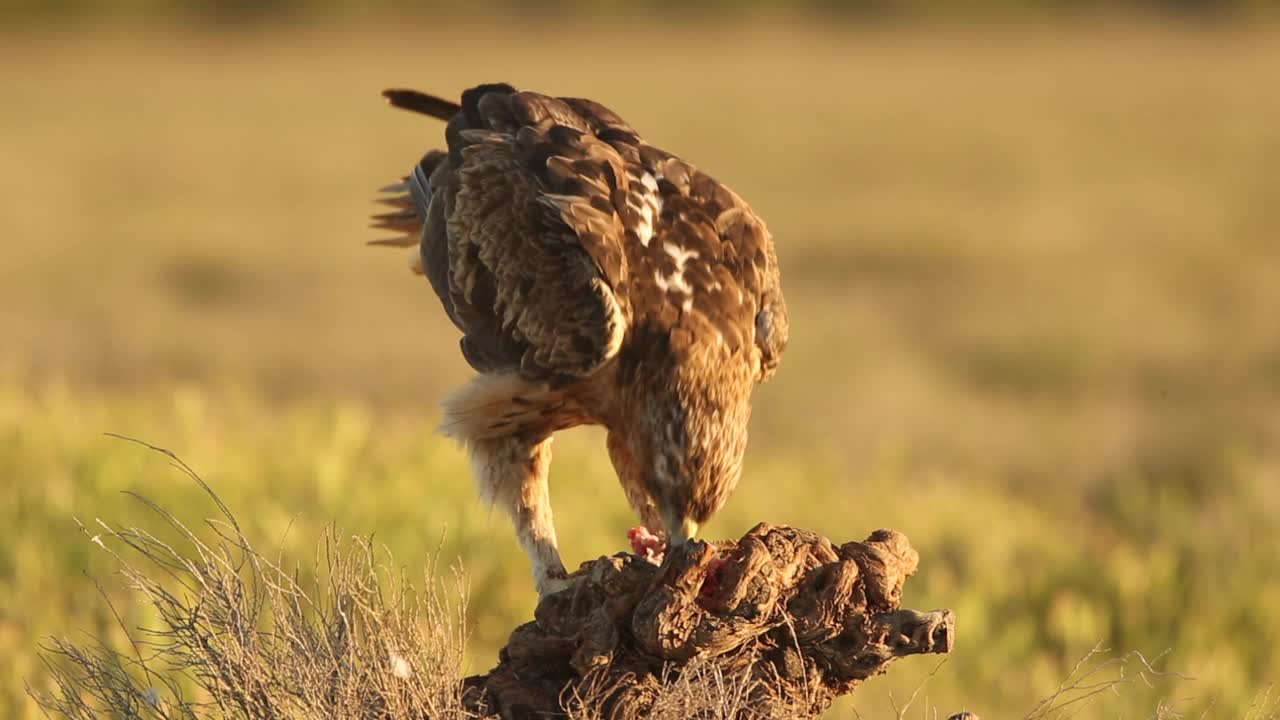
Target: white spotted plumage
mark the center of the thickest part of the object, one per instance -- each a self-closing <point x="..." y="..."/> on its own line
<point x="647" y="204"/>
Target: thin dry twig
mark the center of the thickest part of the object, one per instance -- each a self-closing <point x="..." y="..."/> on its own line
<point x="901" y="712"/>
<point x="1091" y="676"/>
<point x="1264" y="706"/>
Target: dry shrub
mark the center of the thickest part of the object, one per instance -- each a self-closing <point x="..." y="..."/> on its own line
<point x="240" y="636"/>
<point x="702" y="690"/>
<point x="706" y="690"/>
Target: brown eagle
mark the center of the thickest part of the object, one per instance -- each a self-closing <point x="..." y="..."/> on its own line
<point x="596" y="279"/>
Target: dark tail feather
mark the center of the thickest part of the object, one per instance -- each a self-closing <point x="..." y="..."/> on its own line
<point x="420" y="102"/>
<point x="411" y="198"/>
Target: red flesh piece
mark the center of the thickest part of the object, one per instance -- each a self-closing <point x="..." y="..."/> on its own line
<point x="711" y="579"/>
<point x="647" y="545"/>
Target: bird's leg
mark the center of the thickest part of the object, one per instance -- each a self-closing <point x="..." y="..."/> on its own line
<point x="512" y="474"/>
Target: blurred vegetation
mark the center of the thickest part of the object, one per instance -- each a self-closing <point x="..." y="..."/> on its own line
<point x="240" y="11"/>
<point x="1036" y="582"/>
<point x="1032" y="273"/>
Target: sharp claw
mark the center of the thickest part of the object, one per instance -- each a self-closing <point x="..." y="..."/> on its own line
<point x="552" y="584"/>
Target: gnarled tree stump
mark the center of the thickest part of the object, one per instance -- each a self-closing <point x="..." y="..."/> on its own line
<point x="789" y="619"/>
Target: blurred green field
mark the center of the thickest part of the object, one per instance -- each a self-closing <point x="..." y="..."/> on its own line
<point x="1034" y="279"/>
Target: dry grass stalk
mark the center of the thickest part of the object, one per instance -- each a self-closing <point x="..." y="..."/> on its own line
<point x="239" y="636"/>
<point x="1096" y="673"/>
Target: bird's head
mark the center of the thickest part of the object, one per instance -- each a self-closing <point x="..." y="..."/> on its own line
<point x="687" y="419"/>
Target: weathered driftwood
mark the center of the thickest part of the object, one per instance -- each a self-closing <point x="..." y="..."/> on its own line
<point x="797" y="618"/>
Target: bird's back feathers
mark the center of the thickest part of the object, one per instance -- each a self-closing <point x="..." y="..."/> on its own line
<point x="553" y="233"/>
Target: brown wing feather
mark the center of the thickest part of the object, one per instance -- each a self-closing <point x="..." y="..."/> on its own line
<point x="551" y="229"/>
<point x="707" y="277"/>
<point x="532" y="252"/>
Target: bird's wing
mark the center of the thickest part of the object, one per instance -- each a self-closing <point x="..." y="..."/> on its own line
<point x="734" y="293"/>
<point x="550" y="228"/>
<point x="521" y="239"/>
<point x="703" y="271"/>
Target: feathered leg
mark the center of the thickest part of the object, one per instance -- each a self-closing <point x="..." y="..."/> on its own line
<point x="512" y="474"/>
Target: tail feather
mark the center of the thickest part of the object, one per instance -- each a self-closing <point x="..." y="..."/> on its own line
<point x="410" y="197"/>
<point x="396" y="201"/>
<point x="421" y="102"/>
<point x="397" y="241"/>
<point x="406" y="220"/>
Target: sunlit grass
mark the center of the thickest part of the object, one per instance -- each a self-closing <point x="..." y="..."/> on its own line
<point x="1034" y="584"/>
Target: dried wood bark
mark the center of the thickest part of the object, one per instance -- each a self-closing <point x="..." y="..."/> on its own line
<point x="787" y="617"/>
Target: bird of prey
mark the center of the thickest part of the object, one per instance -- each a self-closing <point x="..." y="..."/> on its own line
<point x="596" y="279"/>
